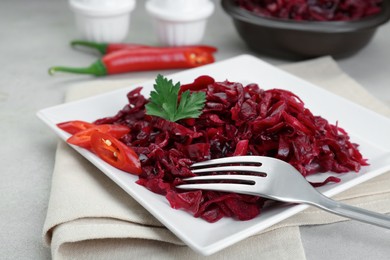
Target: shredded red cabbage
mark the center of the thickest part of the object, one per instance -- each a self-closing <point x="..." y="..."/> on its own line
<point x="313" y="10"/>
<point x="236" y="120"/>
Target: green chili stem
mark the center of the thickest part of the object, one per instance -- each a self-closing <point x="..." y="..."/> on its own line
<point x="97" y="68"/>
<point x="101" y="47"/>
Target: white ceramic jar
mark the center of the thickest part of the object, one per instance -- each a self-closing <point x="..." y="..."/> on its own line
<point x="180" y="22"/>
<point x="103" y="20"/>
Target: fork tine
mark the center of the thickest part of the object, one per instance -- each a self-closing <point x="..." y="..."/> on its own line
<point x="234" y="159"/>
<point x="247" y="187"/>
<point x="264" y="164"/>
<point x="229" y="169"/>
<point x="225" y="187"/>
<point x="245" y="178"/>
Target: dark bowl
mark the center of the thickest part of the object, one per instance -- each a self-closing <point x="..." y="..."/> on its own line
<point x="290" y="39"/>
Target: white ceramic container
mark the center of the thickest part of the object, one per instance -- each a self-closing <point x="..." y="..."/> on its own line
<point x="180" y="22"/>
<point x="103" y="20"/>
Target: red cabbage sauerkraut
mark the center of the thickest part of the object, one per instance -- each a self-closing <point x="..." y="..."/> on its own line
<point x="236" y="120"/>
<point x="313" y="10"/>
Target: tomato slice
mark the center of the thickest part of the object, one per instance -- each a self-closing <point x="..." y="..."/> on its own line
<point x="74" y="126"/>
<point x="116" y="153"/>
<point x="83" y="138"/>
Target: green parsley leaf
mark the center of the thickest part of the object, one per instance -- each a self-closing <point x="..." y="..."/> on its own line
<point x="164" y="101"/>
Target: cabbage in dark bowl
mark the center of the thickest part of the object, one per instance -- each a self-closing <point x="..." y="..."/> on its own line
<point x="291" y="39"/>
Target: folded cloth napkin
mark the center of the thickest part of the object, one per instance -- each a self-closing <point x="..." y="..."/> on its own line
<point x="90" y="217"/>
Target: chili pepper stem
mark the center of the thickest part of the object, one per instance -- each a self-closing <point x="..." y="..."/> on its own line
<point x="101" y="47"/>
<point x="97" y="68"/>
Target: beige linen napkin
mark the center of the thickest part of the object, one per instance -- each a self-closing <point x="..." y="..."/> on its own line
<point x="90" y="217"/>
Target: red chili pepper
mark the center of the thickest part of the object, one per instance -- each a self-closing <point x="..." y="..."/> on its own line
<point x="83" y="137"/>
<point x="128" y="60"/>
<point x="105" y="48"/>
<point x="116" y="153"/>
<point x="74" y="126"/>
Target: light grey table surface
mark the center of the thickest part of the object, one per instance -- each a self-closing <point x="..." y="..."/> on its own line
<point x="34" y="35"/>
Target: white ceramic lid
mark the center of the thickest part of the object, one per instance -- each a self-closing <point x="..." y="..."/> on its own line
<point x="102" y="7"/>
<point x="180" y="10"/>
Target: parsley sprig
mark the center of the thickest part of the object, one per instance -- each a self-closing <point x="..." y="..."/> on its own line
<point x="164" y="101"/>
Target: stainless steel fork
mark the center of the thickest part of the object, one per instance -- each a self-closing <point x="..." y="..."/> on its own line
<point x="277" y="180"/>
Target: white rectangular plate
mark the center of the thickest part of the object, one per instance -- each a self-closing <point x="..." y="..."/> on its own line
<point x="365" y="127"/>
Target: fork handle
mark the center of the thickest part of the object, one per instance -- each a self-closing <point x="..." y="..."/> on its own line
<point x="352" y="212"/>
